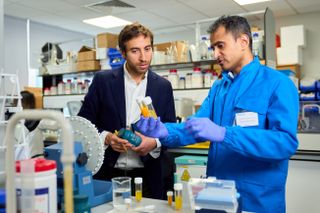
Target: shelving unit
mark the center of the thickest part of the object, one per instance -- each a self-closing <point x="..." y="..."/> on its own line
<point x="60" y="101"/>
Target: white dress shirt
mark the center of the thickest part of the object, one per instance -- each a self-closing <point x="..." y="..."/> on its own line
<point x="133" y="90"/>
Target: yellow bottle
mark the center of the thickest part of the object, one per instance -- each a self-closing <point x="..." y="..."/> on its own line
<point x="138" y="188"/>
<point x="178" y="195"/>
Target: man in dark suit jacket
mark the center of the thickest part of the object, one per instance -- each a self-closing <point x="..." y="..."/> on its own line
<point x="110" y="105"/>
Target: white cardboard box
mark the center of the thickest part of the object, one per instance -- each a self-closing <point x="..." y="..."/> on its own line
<point x="293" y="36"/>
<point x="289" y="55"/>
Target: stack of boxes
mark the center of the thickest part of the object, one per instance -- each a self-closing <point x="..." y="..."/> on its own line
<point x="105" y="42"/>
<point x="293" y="39"/>
<point x="87" y="59"/>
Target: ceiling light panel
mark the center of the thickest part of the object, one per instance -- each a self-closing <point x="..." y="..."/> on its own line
<point x="107" y="22"/>
<point x="245" y="2"/>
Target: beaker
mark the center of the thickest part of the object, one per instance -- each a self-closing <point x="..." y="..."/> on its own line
<point x="121" y="190"/>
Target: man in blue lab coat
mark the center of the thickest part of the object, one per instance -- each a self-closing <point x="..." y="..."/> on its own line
<point x="250" y="116"/>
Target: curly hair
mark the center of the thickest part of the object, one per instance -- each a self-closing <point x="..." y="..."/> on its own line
<point x="132" y="31"/>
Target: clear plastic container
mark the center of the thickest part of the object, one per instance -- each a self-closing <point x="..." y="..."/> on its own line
<point x="197" y="78"/>
<point x="173" y="78"/>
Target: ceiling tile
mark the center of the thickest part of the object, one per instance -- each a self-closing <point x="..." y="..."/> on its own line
<point x="21" y="11"/>
<point x="173" y="10"/>
<point x="215" y="8"/>
<point x="305" y="6"/>
<point x="279" y="7"/>
<point x="146" y="18"/>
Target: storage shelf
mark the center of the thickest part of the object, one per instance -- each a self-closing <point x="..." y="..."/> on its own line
<point x="184" y="65"/>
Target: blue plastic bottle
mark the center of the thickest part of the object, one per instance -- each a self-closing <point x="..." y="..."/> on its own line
<point x="129" y="136"/>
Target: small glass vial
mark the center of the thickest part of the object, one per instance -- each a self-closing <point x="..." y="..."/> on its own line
<point x="169" y="197"/>
<point x="173" y="78"/>
<point x="138" y="188"/>
<point x="178" y="195"/>
<point x="147" y="102"/>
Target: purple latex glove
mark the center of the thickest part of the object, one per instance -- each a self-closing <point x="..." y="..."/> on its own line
<point x="203" y="129"/>
<point x="151" y="127"/>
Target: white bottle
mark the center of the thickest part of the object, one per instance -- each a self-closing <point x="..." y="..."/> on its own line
<point x="189" y="80"/>
<point x="173" y="78"/>
<point x="207" y="78"/>
<point x="61" y="88"/>
<point x="214" y="77"/>
<point x="67" y="88"/>
<point x="197" y="78"/>
<point x="203" y="48"/>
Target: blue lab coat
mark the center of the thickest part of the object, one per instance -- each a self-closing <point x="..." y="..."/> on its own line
<point x="256" y="157"/>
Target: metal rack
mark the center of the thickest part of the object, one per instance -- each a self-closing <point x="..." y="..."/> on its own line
<point x="9" y="91"/>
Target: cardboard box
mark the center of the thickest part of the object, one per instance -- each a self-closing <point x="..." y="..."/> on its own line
<point x="86" y="54"/>
<point x="107" y="40"/>
<point x="181" y="46"/>
<point x="293" y="36"/>
<point x="88" y="65"/>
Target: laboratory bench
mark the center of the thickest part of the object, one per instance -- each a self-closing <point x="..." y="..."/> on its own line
<point x="302" y="188"/>
<point x="145" y="205"/>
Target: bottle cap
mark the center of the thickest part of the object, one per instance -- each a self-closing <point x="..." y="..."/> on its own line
<point x="177" y="186"/>
<point x="169" y="193"/>
<point x="196" y="69"/>
<point x="147" y="100"/>
<point x="40" y="164"/>
<point x="138" y="180"/>
<point x="127" y="201"/>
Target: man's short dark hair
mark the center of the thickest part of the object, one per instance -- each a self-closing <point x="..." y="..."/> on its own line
<point x="132" y="31"/>
<point x="237" y="25"/>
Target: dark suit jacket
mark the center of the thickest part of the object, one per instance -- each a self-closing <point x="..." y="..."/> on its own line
<point x="105" y="107"/>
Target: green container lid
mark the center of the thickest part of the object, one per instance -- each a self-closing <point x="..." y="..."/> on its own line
<point x="191" y="160"/>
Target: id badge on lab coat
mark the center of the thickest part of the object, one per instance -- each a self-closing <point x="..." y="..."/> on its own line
<point x="245" y="119"/>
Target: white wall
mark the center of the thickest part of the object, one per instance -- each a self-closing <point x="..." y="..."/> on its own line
<point x="311" y="53"/>
<point x="15" y="39"/>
